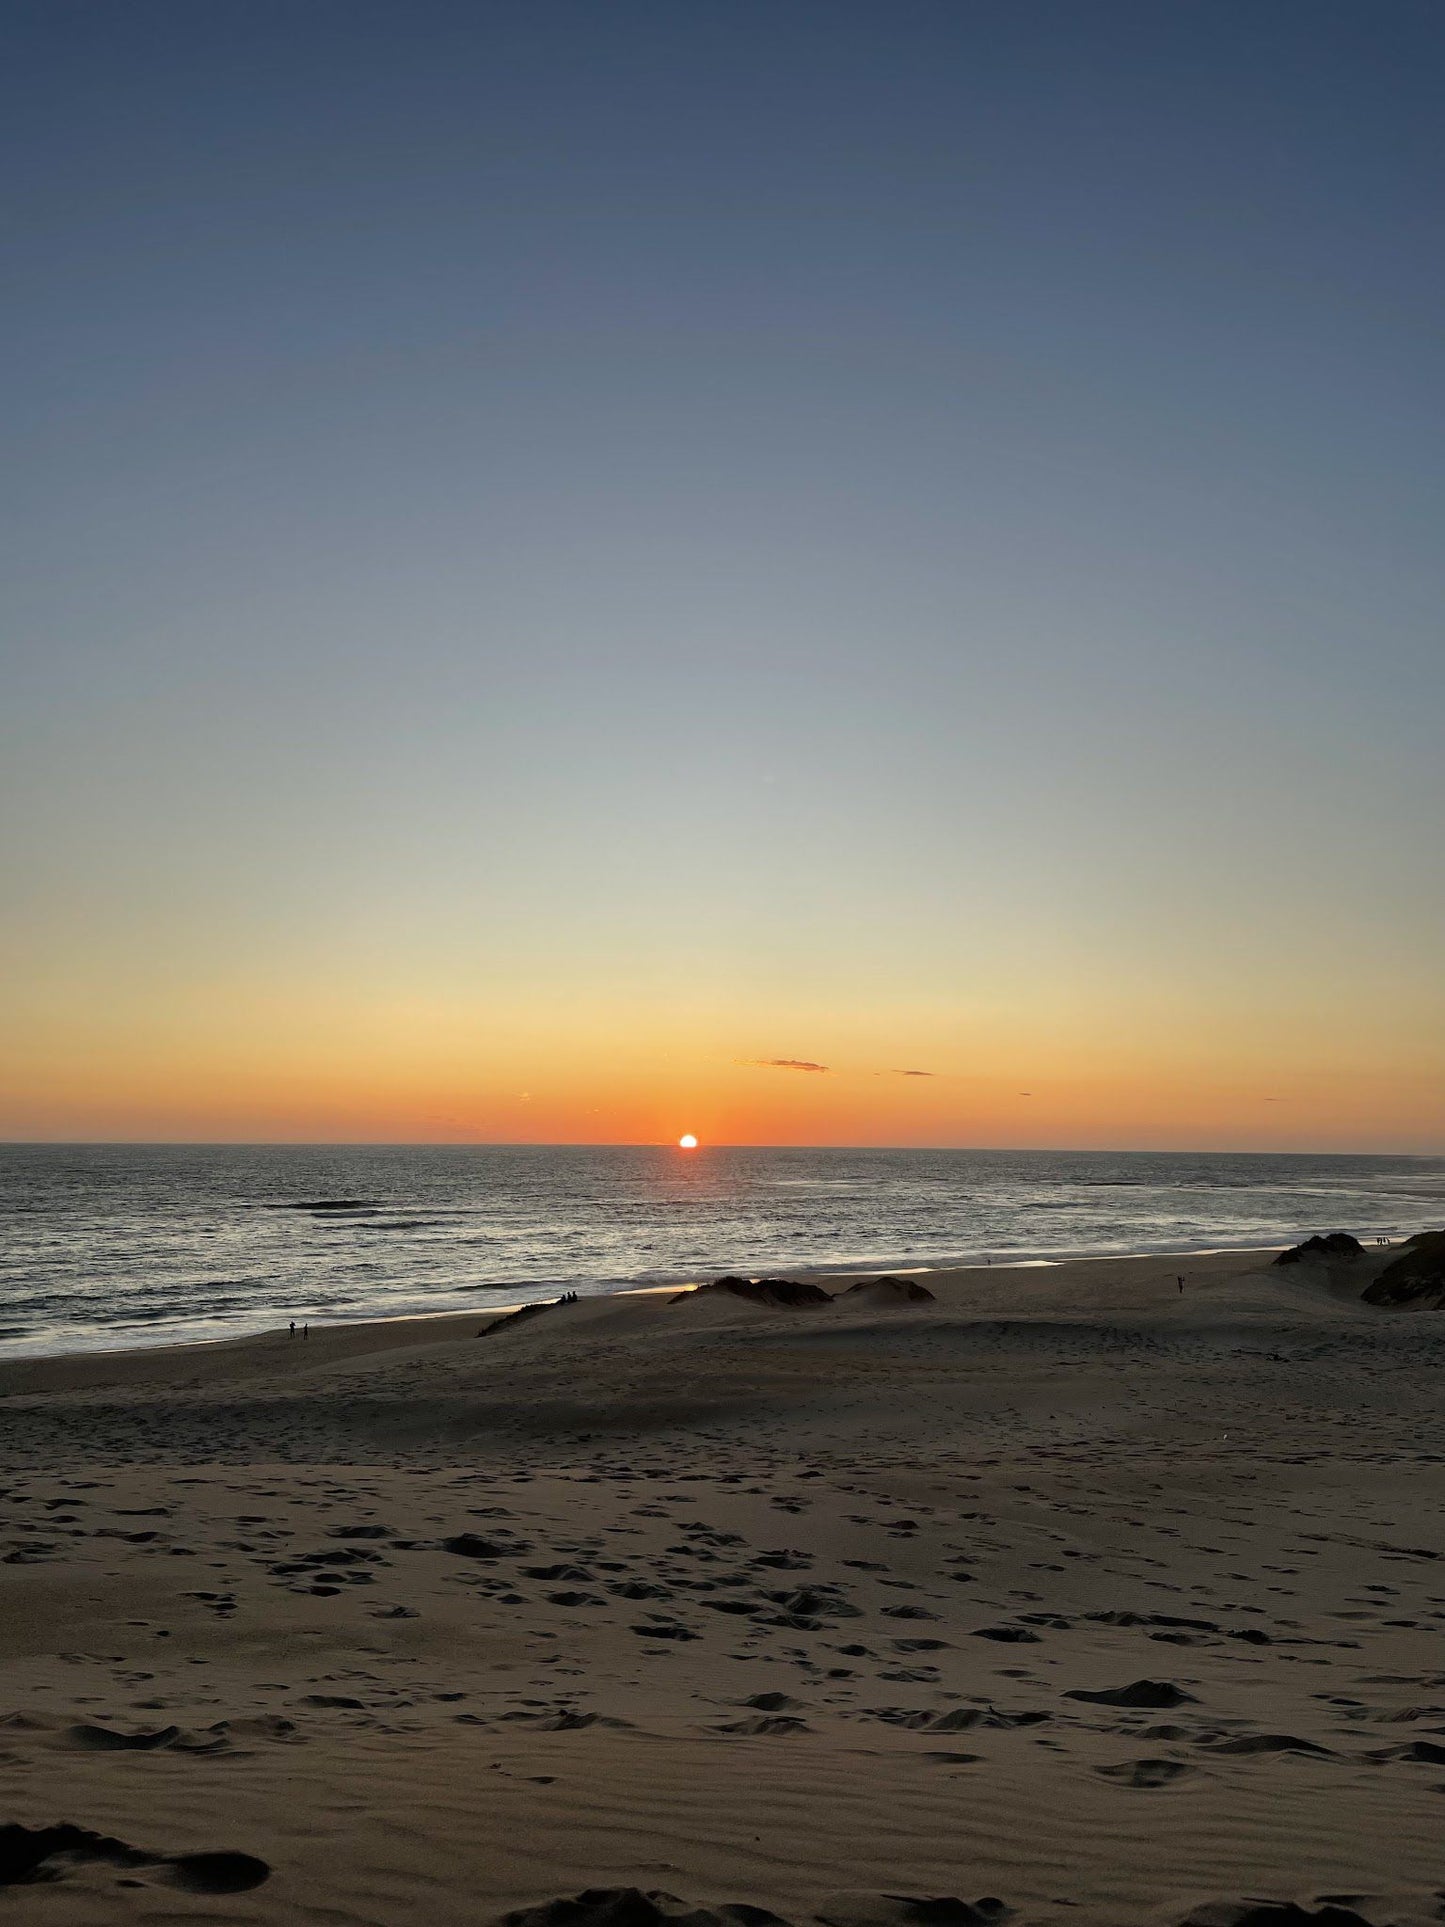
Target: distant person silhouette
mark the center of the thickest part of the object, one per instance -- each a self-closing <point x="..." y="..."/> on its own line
<point x="1180" y="1283"/>
<point x="293" y="1327"/>
<point x="306" y="1331"/>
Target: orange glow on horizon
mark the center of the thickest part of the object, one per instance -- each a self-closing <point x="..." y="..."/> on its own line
<point x="245" y="1064"/>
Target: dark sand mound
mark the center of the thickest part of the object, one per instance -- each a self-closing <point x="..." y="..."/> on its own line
<point x="1416" y="1277"/>
<point x="511" y="1319"/>
<point x="630" y="1907"/>
<point x="783" y="1293"/>
<point x="1334" y="1244"/>
<point x="885" y="1292"/>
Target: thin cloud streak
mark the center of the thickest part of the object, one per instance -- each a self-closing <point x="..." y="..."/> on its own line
<point x="783" y="1064"/>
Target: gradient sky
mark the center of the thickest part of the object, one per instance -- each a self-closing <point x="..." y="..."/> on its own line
<point x="561" y="560"/>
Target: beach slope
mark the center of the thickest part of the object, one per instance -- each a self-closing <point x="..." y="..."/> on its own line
<point x="1063" y="1589"/>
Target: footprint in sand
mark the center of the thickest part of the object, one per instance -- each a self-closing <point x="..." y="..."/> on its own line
<point x="1146" y="1773"/>
<point x="109" y="1739"/>
<point x="630" y="1907"/>
<point x="1248" y="1743"/>
<point x="1425" y="1752"/>
<point x="765" y="1726"/>
<point x="909" y="1910"/>
<point x="1143" y="1692"/>
<point x="1274" y="1913"/>
<point x="47" y="1853"/>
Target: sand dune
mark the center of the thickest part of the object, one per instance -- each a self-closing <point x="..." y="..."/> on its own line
<point x="1066" y="1597"/>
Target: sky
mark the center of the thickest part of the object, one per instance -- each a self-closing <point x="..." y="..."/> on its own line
<point x="808" y="573"/>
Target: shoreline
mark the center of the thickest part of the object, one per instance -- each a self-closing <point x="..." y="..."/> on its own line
<point x="396" y="1331"/>
<point x="1223" y="1284"/>
<point x="513" y="1298"/>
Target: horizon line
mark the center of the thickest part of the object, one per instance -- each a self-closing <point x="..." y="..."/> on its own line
<point x="667" y="1144"/>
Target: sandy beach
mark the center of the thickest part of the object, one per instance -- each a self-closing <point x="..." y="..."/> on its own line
<point x="1062" y="1589"/>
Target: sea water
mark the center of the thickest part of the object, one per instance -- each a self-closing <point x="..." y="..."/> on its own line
<point x="117" y="1245"/>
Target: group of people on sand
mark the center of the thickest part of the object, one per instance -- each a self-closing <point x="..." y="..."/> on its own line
<point x="568" y="1298"/>
<point x="305" y="1329"/>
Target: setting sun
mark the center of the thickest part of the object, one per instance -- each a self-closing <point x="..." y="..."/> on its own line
<point x="687" y="1142"/>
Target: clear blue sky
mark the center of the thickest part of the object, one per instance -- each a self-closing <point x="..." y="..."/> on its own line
<point x="715" y="533"/>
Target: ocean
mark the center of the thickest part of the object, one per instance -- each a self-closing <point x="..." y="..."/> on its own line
<point x="109" y="1245"/>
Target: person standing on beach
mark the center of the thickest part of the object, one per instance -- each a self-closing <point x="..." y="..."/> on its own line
<point x="1180" y="1282"/>
<point x="293" y="1327"/>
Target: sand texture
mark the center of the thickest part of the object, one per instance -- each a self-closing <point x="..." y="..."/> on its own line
<point x="1061" y="1597"/>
